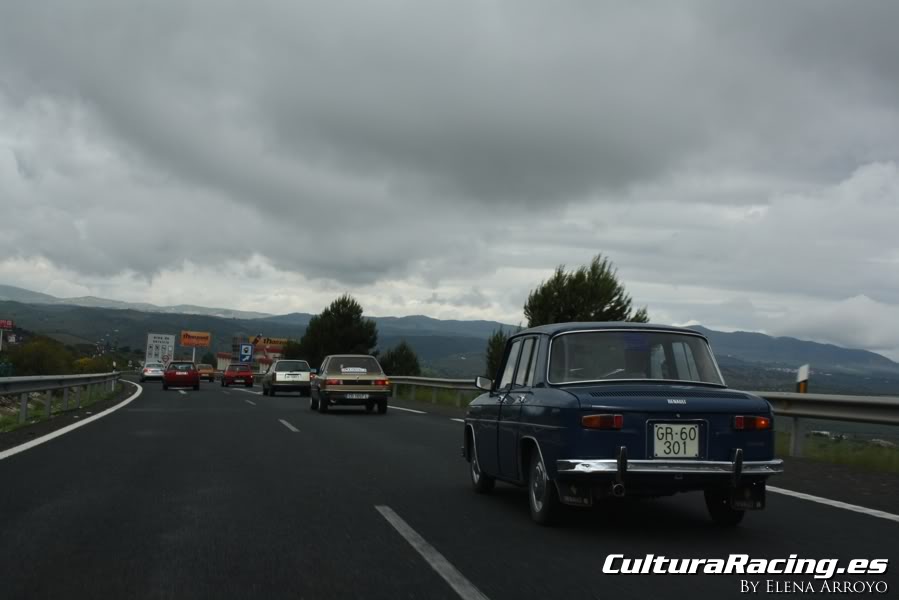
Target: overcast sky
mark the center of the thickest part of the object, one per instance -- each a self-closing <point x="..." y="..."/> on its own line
<point x="736" y="161"/>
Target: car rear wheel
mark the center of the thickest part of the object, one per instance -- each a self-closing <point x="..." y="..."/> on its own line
<point x="271" y="391"/>
<point x="322" y="405"/>
<point x="248" y="384"/>
<point x="164" y="386"/>
<point x="313" y="403"/>
<point x="481" y="482"/>
<point x="382" y="407"/>
<point x="369" y="407"/>
<point x="541" y="491"/>
<point x="717" y="501"/>
<point x="196" y="386"/>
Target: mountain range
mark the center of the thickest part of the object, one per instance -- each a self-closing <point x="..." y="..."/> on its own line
<point x="453" y="348"/>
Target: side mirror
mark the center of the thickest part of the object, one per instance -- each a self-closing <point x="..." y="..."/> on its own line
<point x="313" y="371"/>
<point x="482" y="383"/>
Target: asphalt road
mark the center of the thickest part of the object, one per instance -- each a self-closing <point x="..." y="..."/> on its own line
<point x="210" y="494"/>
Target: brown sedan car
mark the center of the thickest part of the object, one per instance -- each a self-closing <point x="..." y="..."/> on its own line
<point x="350" y="380"/>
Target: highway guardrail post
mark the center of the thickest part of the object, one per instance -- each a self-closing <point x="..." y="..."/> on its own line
<point x="412" y="393"/>
<point x="48" y="403"/>
<point x="434" y="395"/>
<point x="65" y="398"/>
<point x="459" y="395"/>
<point x="796" y="437"/>
<point x="23" y="408"/>
<point x="393" y="392"/>
<point x="78" y="396"/>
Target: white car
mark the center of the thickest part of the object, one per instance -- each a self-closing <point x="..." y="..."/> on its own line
<point x="287" y="375"/>
<point x="152" y="370"/>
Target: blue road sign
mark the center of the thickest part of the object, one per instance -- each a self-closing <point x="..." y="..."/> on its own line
<point x="246" y="353"/>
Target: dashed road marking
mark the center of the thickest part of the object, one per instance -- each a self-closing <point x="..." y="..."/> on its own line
<point x="418" y="412"/>
<point x="289" y="426"/>
<point x="250" y="402"/>
<point x="458" y="420"/>
<point x="443" y="567"/>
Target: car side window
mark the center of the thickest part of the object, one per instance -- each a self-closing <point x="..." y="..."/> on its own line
<point x="686" y="364"/>
<point x="524" y="363"/>
<point x="324" y="367"/>
<point x="512" y="358"/>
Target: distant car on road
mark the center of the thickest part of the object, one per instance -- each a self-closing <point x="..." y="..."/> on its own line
<point x="206" y="371"/>
<point x="586" y="411"/>
<point x="152" y="370"/>
<point x="350" y="380"/>
<point x="181" y="374"/>
<point x="238" y="373"/>
<point x="287" y="376"/>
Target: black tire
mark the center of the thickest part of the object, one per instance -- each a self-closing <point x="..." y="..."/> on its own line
<point x="382" y="407"/>
<point x="542" y="494"/>
<point x="248" y="385"/>
<point x="165" y="387"/>
<point x="313" y="403"/>
<point x="197" y="387"/>
<point x="369" y="407"/>
<point x="717" y="501"/>
<point x="322" y="405"/>
<point x="271" y="391"/>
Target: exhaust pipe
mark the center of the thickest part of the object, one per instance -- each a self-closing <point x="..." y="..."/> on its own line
<point x="618" y="490"/>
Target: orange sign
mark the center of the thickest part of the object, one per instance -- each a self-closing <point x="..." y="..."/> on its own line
<point x="260" y="341"/>
<point x="196" y="339"/>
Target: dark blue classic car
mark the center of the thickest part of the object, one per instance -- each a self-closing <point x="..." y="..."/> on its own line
<point x="585" y="411"/>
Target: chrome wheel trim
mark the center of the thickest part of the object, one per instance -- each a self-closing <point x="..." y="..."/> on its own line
<point x="475" y="469"/>
<point x="537" y="487"/>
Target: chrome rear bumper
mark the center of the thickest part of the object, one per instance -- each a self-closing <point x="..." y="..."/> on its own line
<point x="673" y="467"/>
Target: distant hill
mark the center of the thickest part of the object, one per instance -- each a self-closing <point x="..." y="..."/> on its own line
<point x="759" y="348"/>
<point x="446" y="347"/>
<point x="16" y="294"/>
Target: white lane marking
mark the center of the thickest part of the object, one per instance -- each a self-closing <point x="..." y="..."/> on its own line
<point x="418" y="412"/>
<point x="182" y="392"/>
<point x="250" y="402"/>
<point x="248" y="391"/>
<point x="835" y="503"/>
<point x="458" y="420"/>
<point x="73" y="426"/>
<point x="456" y="580"/>
<point x="289" y="426"/>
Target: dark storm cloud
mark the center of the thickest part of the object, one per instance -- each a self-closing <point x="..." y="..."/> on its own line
<point x="421" y="141"/>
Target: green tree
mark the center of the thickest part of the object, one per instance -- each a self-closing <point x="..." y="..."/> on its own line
<point x="591" y="293"/>
<point x="339" y="329"/>
<point x="208" y="359"/>
<point x="41" y="356"/>
<point x="496" y="344"/>
<point x="401" y="360"/>
<point x="293" y="349"/>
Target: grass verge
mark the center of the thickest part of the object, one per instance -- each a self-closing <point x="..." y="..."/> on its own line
<point x="37" y="412"/>
<point x="850" y="452"/>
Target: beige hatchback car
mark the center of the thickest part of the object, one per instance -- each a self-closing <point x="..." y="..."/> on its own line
<point x="350" y="380"/>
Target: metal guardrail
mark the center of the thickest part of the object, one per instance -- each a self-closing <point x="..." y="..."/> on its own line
<point x="880" y="410"/>
<point x="91" y="384"/>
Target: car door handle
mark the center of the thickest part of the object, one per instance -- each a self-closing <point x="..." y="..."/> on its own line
<point x="522" y="398"/>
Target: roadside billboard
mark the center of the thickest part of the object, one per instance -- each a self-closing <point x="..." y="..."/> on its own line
<point x="6" y="324"/>
<point x="196" y="339"/>
<point x="160" y="348"/>
<point x="261" y="341"/>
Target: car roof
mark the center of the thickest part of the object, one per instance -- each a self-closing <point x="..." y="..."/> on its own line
<point x="350" y="356"/>
<point x="557" y="328"/>
<point x="291" y="360"/>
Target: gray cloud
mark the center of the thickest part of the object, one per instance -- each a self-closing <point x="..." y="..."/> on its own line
<point x="459" y="151"/>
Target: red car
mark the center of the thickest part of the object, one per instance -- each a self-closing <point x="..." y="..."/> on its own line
<point x="181" y="374"/>
<point x="238" y="374"/>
